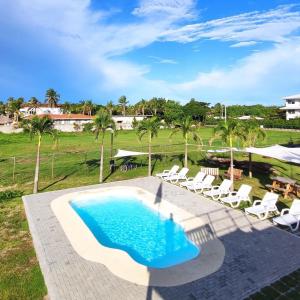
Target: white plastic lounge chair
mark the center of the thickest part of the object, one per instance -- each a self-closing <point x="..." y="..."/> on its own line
<point x="181" y="175"/>
<point x="290" y="216"/>
<point x="218" y="190"/>
<point x="193" y="180"/>
<point x="201" y="186"/>
<point x="235" y="198"/>
<point x="262" y="208"/>
<point x="167" y="173"/>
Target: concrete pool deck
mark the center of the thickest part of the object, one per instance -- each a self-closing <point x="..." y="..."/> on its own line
<point x="256" y="253"/>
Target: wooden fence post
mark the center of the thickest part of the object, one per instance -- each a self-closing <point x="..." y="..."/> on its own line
<point x="52" y="166"/>
<point x="14" y="168"/>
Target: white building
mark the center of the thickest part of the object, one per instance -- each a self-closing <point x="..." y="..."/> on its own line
<point x="75" y="122"/>
<point x="292" y="106"/>
<point x="126" y="122"/>
<point x="42" y="109"/>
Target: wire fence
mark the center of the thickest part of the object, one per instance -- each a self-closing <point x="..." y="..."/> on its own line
<point x="84" y="165"/>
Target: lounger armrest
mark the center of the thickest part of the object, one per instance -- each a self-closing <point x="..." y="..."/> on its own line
<point x="215" y="187"/>
<point x="256" y="202"/>
<point x="190" y="179"/>
<point x="284" y="211"/>
<point x="166" y="171"/>
<point x="232" y="194"/>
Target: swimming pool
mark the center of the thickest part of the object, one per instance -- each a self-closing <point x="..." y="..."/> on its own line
<point x="124" y="222"/>
<point x="170" y="261"/>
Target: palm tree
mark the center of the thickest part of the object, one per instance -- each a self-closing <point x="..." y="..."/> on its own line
<point x="123" y="102"/>
<point x="2" y="108"/>
<point x="34" y="103"/>
<point x="52" y="97"/>
<point x="149" y="127"/>
<point x="229" y="131"/>
<point x="102" y="123"/>
<point x="87" y="107"/>
<point x="188" y="129"/>
<point x="13" y="107"/>
<point x="142" y="105"/>
<point x="67" y="107"/>
<point x="154" y="105"/>
<point x="38" y="127"/>
<point x="110" y="107"/>
<point x="251" y="133"/>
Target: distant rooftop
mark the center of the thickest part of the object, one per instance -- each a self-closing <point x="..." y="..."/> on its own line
<point x="64" y="116"/>
<point x="297" y="96"/>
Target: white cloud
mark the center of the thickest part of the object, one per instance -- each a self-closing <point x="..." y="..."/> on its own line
<point x="161" y="60"/>
<point x="243" y="44"/>
<point x="261" y="75"/>
<point x="274" y="25"/>
<point x="93" y="45"/>
<point x="171" y="9"/>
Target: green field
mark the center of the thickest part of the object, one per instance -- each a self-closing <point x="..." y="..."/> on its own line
<point x="75" y="163"/>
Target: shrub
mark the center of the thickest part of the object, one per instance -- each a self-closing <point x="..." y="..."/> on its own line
<point x="7" y="195"/>
<point x="88" y="127"/>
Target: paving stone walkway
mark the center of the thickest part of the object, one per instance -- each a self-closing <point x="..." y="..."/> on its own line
<point x="256" y="253"/>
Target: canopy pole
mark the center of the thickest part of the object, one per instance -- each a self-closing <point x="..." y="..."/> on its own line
<point x="250" y="165"/>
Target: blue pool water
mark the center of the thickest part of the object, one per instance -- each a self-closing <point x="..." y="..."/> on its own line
<point x="126" y="223"/>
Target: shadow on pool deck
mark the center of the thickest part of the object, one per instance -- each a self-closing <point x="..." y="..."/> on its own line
<point x="257" y="254"/>
<point x="242" y="272"/>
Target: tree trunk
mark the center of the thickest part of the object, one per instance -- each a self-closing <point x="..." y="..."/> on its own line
<point x="101" y="163"/>
<point x="186" y="153"/>
<point x="143" y="111"/>
<point x="155" y="111"/>
<point x="124" y="112"/>
<point x="37" y="168"/>
<point x="149" y="157"/>
<point x="250" y="165"/>
<point x="231" y="163"/>
<point x="111" y="145"/>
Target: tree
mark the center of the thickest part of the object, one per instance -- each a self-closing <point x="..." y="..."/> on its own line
<point x="102" y="123"/>
<point x="251" y="133"/>
<point x="52" y="98"/>
<point x="67" y="107"/>
<point x="148" y="127"/>
<point x="13" y="107"/>
<point x="34" y="103"/>
<point x="173" y="112"/>
<point x="229" y="131"/>
<point x="2" y="108"/>
<point x="87" y="107"/>
<point x="196" y="109"/>
<point x="142" y="105"/>
<point x="188" y="129"/>
<point x="110" y="107"/>
<point x="123" y="102"/>
<point x="38" y="127"/>
<point x="154" y="105"/>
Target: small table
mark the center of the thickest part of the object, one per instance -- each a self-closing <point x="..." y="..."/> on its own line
<point x="282" y="184"/>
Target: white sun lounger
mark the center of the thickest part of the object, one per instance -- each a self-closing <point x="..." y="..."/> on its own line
<point x="167" y="173"/>
<point x="218" y="190"/>
<point x="262" y="208"/>
<point x="290" y="216"/>
<point x="193" y="180"/>
<point x="235" y="198"/>
<point x="177" y="177"/>
<point x="199" y="187"/>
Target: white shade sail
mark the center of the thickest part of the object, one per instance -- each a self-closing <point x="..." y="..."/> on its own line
<point x="278" y="152"/>
<point x="125" y="153"/>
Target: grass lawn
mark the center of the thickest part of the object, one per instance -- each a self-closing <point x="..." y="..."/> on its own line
<point x="75" y="163"/>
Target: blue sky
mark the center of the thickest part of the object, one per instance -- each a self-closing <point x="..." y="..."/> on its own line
<point x="229" y="51"/>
